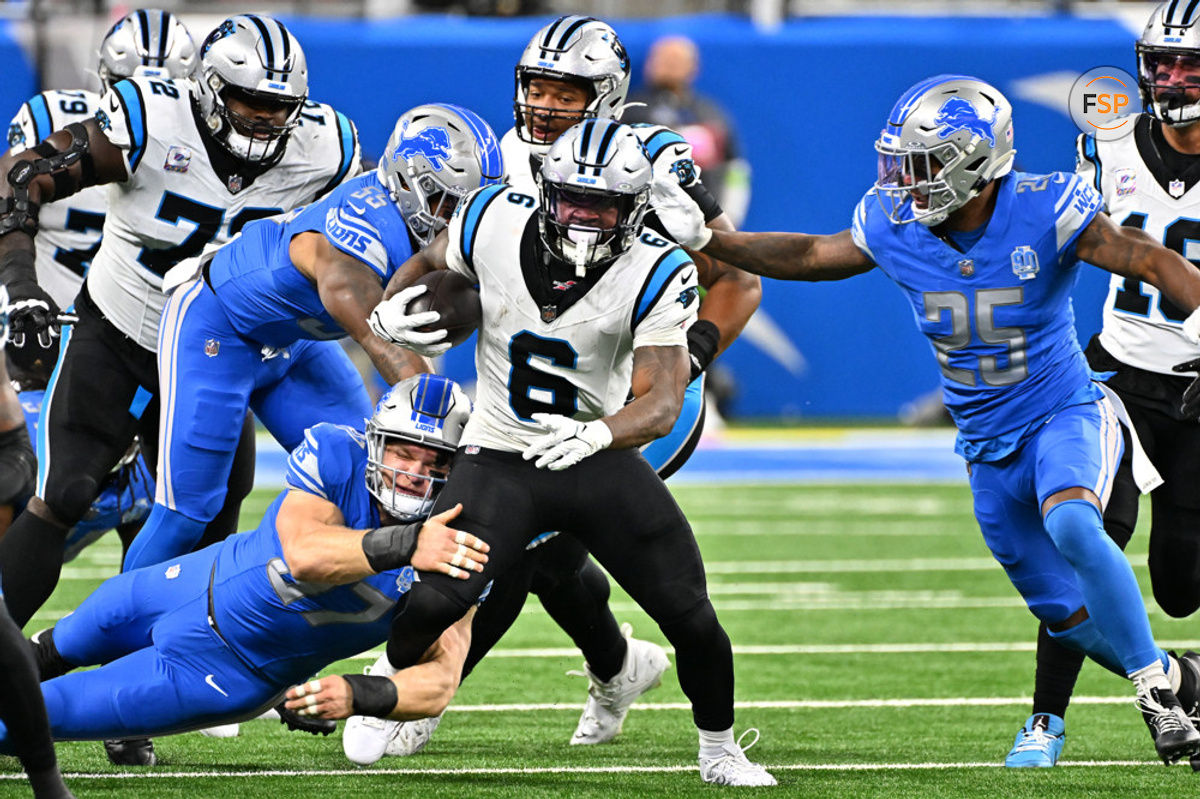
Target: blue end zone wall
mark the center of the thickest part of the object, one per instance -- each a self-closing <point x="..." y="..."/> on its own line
<point x="17" y="81"/>
<point x="809" y="100"/>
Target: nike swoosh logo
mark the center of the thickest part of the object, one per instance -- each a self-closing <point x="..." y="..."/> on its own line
<point x="687" y="277"/>
<point x="357" y="210"/>
<point x="212" y="683"/>
<point x="680" y="150"/>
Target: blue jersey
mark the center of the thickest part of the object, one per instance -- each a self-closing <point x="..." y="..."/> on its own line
<point x="287" y="629"/>
<point x="268" y="300"/>
<point x="998" y="316"/>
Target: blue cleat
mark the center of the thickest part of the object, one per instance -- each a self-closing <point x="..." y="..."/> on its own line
<point x="1039" y="742"/>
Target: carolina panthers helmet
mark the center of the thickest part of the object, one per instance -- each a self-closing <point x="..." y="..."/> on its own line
<point x="436" y="155"/>
<point x="1172" y="33"/>
<point x="580" y="49"/>
<point x="946" y="138"/>
<point x="148" y="42"/>
<point x="426" y="410"/>
<point x="596" y="169"/>
<point x="253" y="58"/>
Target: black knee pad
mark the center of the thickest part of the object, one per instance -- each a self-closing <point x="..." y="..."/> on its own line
<point x="70" y="499"/>
<point x="49" y="662"/>
<point x="18" y="467"/>
<point x="422" y="616"/>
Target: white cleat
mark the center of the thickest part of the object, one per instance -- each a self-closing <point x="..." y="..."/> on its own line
<point x="222" y="731"/>
<point x="733" y="768"/>
<point x="608" y="702"/>
<point x="366" y="739"/>
<point x="412" y="736"/>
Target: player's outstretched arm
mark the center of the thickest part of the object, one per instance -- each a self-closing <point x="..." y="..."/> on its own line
<point x="731" y="297"/>
<point x="350" y="290"/>
<point x="417" y="692"/>
<point x="1130" y="252"/>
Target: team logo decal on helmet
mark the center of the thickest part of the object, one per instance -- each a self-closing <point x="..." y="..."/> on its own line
<point x="957" y="114"/>
<point x="433" y="143"/>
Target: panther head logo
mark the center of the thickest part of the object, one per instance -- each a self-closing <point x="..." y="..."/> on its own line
<point x="957" y="114"/>
<point x="433" y="143"/>
<point x="226" y="28"/>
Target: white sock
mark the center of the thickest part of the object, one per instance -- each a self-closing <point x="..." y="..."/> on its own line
<point x="1151" y="676"/>
<point x="714" y="744"/>
<point x="1173" y="674"/>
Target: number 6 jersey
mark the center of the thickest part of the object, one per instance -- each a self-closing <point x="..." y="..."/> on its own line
<point x="186" y="191"/>
<point x="1142" y="328"/>
<point x="575" y="360"/>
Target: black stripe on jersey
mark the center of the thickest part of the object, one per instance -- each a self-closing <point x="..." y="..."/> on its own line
<point x="1087" y="146"/>
<point x="164" y="32"/>
<point x="467" y="248"/>
<point x="268" y="48"/>
<point x="576" y="25"/>
<point x="345" y="163"/>
<point x="637" y="304"/>
<point x="144" y="24"/>
<point x="133" y="138"/>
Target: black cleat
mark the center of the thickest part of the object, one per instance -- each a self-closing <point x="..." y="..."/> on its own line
<point x="1189" y="684"/>
<point x="1173" y="733"/>
<point x="297" y="723"/>
<point x="131" y="752"/>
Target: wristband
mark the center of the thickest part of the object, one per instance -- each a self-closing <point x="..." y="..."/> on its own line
<point x="391" y="547"/>
<point x="373" y="696"/>
<point x="703" y="339"/>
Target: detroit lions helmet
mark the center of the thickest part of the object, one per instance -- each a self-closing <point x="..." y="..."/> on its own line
<point x="946" y="138"/>
<point x="595" y="188"/>
<point x="1172" y="35"/>
<point x="147" y="42"/>
<point x="576" y="49"/>
<point x="426" y="410"/>
<point x="436" y="155"/>
<point x="255" y="59"/>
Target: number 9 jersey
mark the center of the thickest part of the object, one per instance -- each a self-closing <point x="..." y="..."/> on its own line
<point x="577" y="360"/>
<point x="186" y="191"/>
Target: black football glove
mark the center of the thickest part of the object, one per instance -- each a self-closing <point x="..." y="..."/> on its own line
<point x="1190" y="406"/>
<point x="703" y="339"/>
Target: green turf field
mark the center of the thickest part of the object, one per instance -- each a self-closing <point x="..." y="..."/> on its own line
<point x="879" y="650"/>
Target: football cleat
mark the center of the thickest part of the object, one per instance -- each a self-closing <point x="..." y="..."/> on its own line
<point x="222" y="731"/>
<point x="1038" y="743"/>
<point x="131" y="752"/>
<point x="1189" y="690"/>
<point x="297" y="723"/>
<point x="732" y="767"/>
<point x="366" y="738"/>
<point x="608" y="702"/>
<point x="1173" y="733"/>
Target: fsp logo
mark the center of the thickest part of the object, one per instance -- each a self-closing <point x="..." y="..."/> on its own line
<point x="1102" y="102"/>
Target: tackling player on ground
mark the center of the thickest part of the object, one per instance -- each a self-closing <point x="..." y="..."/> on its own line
<point x="988" y="268"/>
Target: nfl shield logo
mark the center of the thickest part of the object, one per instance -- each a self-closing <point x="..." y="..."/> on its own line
<point x="1175" y="188"/>
<point x="1025" y="262"/>
<point x="235" y="183"/>
<point x="549" y="313"/>
<point x="966" y="267"/>
<point x="212" y="347"/>
<point x="173" y="571"/>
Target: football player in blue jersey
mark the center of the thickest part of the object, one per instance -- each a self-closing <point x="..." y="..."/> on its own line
<point x="21" y="706"/>
<point x="256" y="328"/>
<point x="219" y="635"/>
<point x="988" y="268"/>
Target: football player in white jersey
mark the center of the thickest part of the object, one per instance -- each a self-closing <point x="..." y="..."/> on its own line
<point x="189" y="165"/>
<point x="1149" y="181"/>
<point x="579" y="304"/>
<point x="572" y="69"/>
<point x="150" y="43"/>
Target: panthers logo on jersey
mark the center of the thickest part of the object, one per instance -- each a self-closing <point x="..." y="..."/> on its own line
<point x="15" y="135"/>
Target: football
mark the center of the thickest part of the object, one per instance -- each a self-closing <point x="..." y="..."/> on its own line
<point x="455" y="298"/>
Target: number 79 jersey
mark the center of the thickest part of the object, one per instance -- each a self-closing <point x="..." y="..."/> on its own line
<point x="999" y="316"/>
<point x="577" y="362"/>
<point x="175" y="201"/>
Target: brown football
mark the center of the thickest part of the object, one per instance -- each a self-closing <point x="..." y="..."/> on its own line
<point x="455" y="298"/>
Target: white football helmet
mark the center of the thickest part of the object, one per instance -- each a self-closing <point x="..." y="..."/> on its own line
<point x="147" y="43"/>
<point x="1171" y="34"/>
<point x="576" y="49"/>
<point x="426" y="410"/>
<point x="256" y="59"/>
<point x="946" y="138"/>
<point x="595" y="188"/>
<point x="437" y="154"/>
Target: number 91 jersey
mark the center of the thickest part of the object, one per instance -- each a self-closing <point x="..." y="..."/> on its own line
<point x="1141" y="327"/>
<point x="69" y="229"/>
<point x="576" y="362"/>
<point x="185" y="191"/>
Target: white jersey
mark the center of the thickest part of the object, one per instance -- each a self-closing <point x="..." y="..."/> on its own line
<point x="1141" y="327"/>
<point x="69" y="229"/>
<point x="576" y="362"/>
<point x="668" y="151"/>
<point x="176" y="201"/>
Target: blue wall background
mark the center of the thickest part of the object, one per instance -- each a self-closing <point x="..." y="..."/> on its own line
<point x="809" y="100"/>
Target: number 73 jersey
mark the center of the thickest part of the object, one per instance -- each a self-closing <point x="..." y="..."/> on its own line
<point x="998" y="316"/>
<point x="577" y="361"/>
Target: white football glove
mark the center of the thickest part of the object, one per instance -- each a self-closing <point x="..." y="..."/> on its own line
<point x="566" y="441"/>
<point x="392" y="322"/>
<point x="678" y="212"/>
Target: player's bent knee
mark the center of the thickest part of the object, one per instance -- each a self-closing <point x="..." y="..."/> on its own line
<point x="69" y="499"/>
<point x="1076" y="528"/>
<point x="695" y="624"/>
<point x="423" y="615"/>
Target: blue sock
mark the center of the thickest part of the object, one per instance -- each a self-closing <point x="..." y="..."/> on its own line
<point x="1109" y="588"/>
<point x="166" y="534"/>
<point x="1085" y="637"/>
